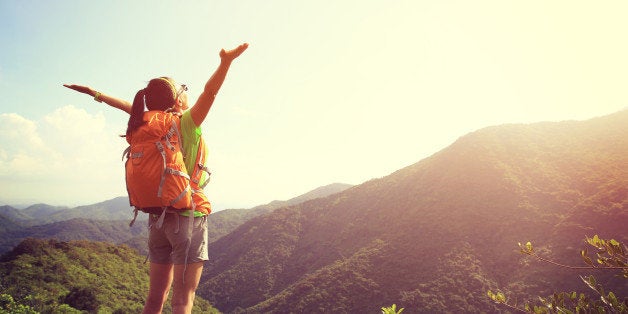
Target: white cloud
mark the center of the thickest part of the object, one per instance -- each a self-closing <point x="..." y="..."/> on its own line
<point x="22" y="147"/>
<point x="68" y="157"/>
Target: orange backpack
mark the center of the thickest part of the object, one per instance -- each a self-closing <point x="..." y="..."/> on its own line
<point x="156" y="178"/>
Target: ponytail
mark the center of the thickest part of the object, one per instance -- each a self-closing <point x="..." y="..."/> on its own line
<point x="137" y="112"/>
<point x="160" y="94"/>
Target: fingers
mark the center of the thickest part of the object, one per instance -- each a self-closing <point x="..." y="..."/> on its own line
<point x="234" y="53"/>
<point x="240" y="49"/>
<point x="79" y="88"/>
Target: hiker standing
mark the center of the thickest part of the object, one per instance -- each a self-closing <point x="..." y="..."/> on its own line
<point x="176" y="253"/>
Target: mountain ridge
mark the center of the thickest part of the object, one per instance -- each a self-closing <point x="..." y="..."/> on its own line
<point x="498" y="185"/>
<point x="225" y="221"/>
<point x="108" y="221"/>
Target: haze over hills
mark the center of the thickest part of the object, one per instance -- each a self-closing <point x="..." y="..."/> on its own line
<point x="109" y="221"/>
<point x="38" y="214"/>
<point x="436" y="235"/>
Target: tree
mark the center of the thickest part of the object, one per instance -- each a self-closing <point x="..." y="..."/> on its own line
<point x="8" y="305"/>
<point x="611" y="255"/>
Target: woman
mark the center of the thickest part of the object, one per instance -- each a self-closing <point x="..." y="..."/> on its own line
<point x="172" y="264"/>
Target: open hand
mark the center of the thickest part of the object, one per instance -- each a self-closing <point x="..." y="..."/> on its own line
<point x="229" y="55"/>
<point x="81" y="89"/>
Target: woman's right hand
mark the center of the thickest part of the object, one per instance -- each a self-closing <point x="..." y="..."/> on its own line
<point x="229" y="55"/>
<point x="81" y="89"/>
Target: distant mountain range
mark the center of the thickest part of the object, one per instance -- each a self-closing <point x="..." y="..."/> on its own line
<point x="432" y="237"/>
<point x="435" y="236"/>
<point x="109" y="221"/>
<point x="39" y="214"/>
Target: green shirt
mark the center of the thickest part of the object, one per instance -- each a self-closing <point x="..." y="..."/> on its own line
<point x="191" y="137"/>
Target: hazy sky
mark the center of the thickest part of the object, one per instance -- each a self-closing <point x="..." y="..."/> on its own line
<point x="328" y="91"/>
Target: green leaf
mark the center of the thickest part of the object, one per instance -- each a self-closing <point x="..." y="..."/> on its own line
<point x="612" y="299"/>
<point x="529" y="247"/>
<point x="501" y="297"/>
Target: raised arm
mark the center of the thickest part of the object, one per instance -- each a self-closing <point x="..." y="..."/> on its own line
<point x="100" y="97"/>
<point x="206" y="99"/>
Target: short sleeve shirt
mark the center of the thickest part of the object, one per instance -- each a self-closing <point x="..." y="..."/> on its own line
<point x="191" y="134"/>
<point x="191" y="138"/>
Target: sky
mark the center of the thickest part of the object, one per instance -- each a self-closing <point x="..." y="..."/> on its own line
<point x="328" y="91"/>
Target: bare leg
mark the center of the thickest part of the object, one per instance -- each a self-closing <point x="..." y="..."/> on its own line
<point x="160" y="280"/>
<point x="183" y="292"/>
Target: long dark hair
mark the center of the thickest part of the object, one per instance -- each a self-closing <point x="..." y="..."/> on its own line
<point x="160" y="94"/>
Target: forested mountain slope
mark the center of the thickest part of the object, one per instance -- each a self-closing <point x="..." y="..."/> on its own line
<point x="54" y="276"/>
<point x="225" y="221"/>
<point x="434" y="236"/>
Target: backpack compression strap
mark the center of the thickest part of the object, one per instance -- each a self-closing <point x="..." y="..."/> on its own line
<point x="171" y="171"/>
<point x="174" y="130"/>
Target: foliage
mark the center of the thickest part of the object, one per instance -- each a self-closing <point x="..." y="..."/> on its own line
<point x="345" y="286"/>
<point x="611" y="255"/>
<point x="459" y="278"/>
<point x="391" y="310"/>
<point x="9" y="306"/>
<point x="52" y="276"/>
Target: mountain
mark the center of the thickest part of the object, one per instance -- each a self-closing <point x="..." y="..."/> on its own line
<point x="225" y="221"/>
<point x="41" y="210"/>
<point x="63" y="269"/>
<point x="114" y="209"/>
<point x="39" y="214"/>
<point x="98" y="222"/>
<point x="7" y="225"/>
<point x="322" y="191"/>
<point x="12" y="213"/>
<point x="31" y="215"/>
<point x="436" y="235"/>
<point x="75" y="229"/>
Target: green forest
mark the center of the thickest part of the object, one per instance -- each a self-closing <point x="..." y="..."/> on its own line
<point x="51" y="276"/>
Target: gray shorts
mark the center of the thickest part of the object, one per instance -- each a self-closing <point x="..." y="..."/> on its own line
<point x="169" y="244"/>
